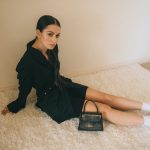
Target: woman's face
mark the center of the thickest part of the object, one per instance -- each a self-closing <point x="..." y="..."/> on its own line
<point x="49" y="36"/>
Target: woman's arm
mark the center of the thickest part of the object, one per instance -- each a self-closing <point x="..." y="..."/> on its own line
<point x="25" y="77"/>
<point x="65" y="79"/>
<point x="25" y="86"/>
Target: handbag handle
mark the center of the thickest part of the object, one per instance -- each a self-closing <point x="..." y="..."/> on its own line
<point x="93" y="103"/>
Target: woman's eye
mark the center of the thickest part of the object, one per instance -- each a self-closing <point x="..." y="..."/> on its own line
<point x="50" y="34"/>
<point x="57" y="36"/>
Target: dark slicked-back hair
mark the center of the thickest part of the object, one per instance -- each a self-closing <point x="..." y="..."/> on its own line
<point x="46" y="20"/>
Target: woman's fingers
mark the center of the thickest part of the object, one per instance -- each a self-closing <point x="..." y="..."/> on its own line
<point x="5" y="111"/>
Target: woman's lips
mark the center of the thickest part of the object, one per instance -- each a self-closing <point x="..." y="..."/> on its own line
<point x="52" y="45"/>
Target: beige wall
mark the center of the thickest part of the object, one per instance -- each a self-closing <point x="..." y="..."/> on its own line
<point x="95" y="33"/>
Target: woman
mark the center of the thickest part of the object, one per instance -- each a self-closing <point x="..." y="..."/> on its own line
<point x="59" y="96"/>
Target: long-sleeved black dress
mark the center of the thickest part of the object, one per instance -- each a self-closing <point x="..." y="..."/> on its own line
<point x="34" y="70"/>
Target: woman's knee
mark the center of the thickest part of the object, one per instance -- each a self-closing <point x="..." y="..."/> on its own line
<point x="104" y="109"/>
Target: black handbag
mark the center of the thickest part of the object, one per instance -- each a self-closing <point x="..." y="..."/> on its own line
<point x="90" y="121"/>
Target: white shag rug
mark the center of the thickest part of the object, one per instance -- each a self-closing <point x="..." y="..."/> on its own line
<point x="32" y="129"/>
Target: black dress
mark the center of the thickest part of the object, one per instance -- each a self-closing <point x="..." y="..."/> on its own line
<point x="34" y="70"/>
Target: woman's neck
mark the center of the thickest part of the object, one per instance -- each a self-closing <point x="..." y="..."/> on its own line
<point x="38" y="45"/>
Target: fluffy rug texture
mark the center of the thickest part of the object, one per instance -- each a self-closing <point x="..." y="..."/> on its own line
<point x="32" y="129"/>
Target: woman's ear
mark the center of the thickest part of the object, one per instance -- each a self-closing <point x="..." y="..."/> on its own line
<point x="38" y="33"/>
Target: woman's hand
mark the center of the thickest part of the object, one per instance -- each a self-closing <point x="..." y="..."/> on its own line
<point x="5" y="111"/>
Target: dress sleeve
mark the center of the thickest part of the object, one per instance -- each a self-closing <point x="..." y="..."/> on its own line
<point x="61" y="76"/>
<point x="65" y="79"/>
<point x="25" y="85"/>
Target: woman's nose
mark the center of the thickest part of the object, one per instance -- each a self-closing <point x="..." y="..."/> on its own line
<point x="54" y="39"/>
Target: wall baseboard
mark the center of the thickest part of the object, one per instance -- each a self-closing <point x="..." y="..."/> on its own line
<point x="109" y="66"/>
<point x="104" y="67"/>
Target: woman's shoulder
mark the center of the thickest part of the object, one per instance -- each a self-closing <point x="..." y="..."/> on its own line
<point x="25" y="62"/>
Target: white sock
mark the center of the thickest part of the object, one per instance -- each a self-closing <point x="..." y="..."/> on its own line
<point x="146" y="120"/>
<point x="145" y="107"/>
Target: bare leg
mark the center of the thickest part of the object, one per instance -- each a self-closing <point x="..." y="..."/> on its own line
<point x="116" y="116"/>
<point x="113" y="101"/>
